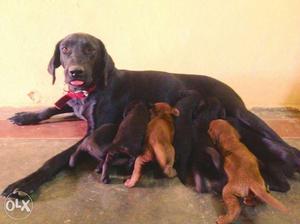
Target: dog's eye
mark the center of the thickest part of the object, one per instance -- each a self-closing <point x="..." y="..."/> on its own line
<point x="89" y="50"/>
<point x="65" y="50"/>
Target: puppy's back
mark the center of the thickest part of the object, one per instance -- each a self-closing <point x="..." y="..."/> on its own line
<point x="132" y="129"/>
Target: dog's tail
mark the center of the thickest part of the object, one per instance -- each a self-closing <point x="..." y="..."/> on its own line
<point x="262" y="194"/>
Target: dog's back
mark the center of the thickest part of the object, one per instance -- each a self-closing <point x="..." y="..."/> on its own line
<point x="160" y="128"/>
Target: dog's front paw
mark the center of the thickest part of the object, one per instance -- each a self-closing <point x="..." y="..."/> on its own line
<point x="17" y="189"/>
<point x="25" y="118"/>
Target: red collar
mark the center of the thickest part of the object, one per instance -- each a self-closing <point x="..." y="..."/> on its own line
<point x="80" y="94"/>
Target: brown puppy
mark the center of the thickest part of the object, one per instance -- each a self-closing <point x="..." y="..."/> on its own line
<point x="158" y="146"/>
<point x="241" y="167"/>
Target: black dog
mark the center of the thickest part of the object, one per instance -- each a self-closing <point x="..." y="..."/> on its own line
<point x="99" y="93"/>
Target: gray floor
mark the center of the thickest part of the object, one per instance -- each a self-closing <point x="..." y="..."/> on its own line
<point x="76" y="196"/>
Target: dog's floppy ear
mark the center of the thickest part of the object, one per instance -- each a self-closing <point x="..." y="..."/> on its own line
<point x="108" y="64"/>
<point x="54" y="62"/>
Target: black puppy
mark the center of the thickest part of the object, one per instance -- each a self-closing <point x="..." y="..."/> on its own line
<point x="206" y="161"/>
<point x="129" y="138"/>
<point x="186" y="104"/>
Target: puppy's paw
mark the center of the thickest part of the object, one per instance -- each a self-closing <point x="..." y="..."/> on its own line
<point x="25" y="118"/>
<point x="98" y="170"/>
<point x="129" y="183"/>
<point x="223" y="219"/>
<point x="105" y="180"/>
<point x="72" y="161"/>
<point x="170" y="172"/>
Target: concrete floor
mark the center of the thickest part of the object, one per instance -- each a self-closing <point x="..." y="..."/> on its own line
<point x="76" y="196"/>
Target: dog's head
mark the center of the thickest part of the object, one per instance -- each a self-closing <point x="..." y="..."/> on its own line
<point x="221" y="130"/>
<point x="208" y="110"/>
<point x="84" y="59"/>
<point x="164" y="108"/>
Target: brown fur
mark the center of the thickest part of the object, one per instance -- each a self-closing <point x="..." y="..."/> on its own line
<point x="241" y="167"/>
<point x="159" y="138"/>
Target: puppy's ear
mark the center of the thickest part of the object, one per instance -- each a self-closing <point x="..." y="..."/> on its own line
<point x="54" y="62"/>
<point x="212" y="134"/>
<point x="175" y="112"/>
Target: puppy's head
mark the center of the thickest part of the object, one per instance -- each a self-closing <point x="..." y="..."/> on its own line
<point x="164" y="109"/>
<point x="220" y="130"/>
<point x="135" y="106"/>
<point x="84" y="59"/>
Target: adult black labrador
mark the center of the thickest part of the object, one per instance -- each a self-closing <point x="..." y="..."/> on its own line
<point x="99" y="92"/>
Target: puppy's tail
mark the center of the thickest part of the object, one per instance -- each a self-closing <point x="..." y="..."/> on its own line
<point x="262" y="194"/>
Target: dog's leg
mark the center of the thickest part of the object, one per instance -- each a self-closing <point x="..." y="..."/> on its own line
<point x="137" y="171"/>
<point x="75" y="155"/>
<point x="106" y="165"/>
<point x="50" y="168"/>
<point x="263" y="130"/>
<point x="26" y="118"/>
<point x="165" y="153"/>
<point x="232" y="206"/>
<point x="98" y="168"/>
<point x="258" y="125"/>
<point x="169" y="170"/>
<point x="200" y="185"/>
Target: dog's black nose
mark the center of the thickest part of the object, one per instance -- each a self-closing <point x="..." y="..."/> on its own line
<point x="76" y="73"/>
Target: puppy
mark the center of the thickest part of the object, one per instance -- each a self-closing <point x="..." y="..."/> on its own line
<point x="206" y="161"/>
<point x="130" y="137"/>
<point x="159" y="138"/>
<point x="241" y="167"/>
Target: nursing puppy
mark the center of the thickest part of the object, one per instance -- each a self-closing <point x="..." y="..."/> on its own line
<point x="129" y="139"/>
<point x="241" y="167"/>
<point x="159" y="138"/>
<point x="206" y="161"/>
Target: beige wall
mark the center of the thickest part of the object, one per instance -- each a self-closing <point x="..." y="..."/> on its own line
<point x="253" y="45"/>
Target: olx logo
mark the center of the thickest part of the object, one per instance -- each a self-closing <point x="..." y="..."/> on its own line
<point x="17" y="208"/>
